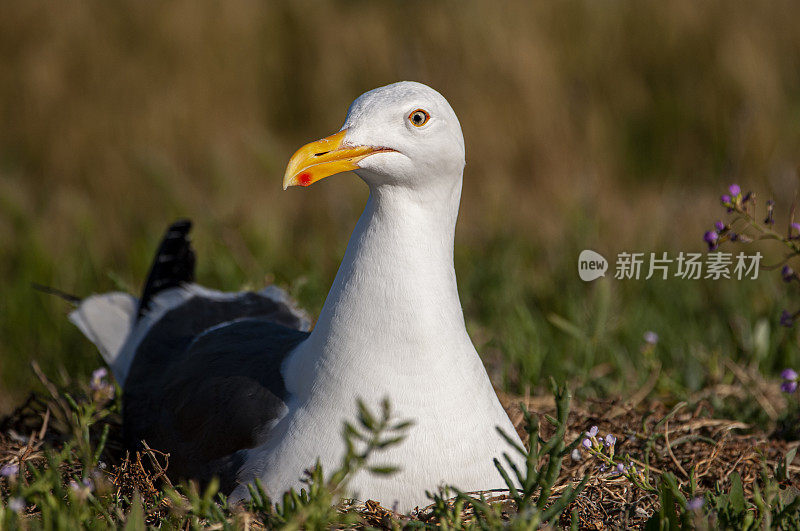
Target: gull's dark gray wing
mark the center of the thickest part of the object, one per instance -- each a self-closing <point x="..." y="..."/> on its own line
<point x="173" y="264"/>
<point x="217" y="396"/>
<point x="204" y="379"/>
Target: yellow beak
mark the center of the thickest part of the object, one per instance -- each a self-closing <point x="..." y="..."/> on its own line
<point x="323" y="158"/>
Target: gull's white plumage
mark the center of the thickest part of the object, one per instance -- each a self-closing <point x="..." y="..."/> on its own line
<point x="392" y="324"/>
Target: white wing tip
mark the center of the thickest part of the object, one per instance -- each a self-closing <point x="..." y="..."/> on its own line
<point x="106" y="320"/>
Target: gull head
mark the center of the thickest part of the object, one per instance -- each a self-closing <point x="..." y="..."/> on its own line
<point x="404" y="134"/>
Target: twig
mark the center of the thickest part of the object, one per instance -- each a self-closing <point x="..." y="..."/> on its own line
<point x="46" y="420"/>
<point x="746" y="379"/>
<point x="639" y="395"/>
<point x="671" y="453"/>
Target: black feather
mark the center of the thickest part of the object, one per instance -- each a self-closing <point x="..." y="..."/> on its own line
<point x="72" y="299"/>
<point x="172" y="266"/>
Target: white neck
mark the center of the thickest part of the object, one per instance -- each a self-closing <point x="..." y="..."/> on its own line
<point x="392" y="327"/>
<point x="394" y="300"/>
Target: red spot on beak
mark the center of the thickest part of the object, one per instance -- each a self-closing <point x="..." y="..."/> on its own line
<point x="304" y="179"/>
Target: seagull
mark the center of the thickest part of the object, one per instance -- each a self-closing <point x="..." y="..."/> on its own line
<point x="239" y="386"/>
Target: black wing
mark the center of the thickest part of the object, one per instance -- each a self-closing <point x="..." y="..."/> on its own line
<point x="213" y="399"/>
<point x="205" y="380"/>
<point x="172" y="266"/>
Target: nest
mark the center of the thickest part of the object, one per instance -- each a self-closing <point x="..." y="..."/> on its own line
<point x="671" y="438"/>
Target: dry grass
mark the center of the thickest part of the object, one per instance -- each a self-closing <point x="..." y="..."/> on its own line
<point x="665" y="438"/>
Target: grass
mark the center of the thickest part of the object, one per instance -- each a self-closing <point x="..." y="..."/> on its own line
<point x="669" y="466"/>
<point x="611" y="127"/>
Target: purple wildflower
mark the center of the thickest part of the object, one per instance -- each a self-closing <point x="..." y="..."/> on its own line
<point x="734" y="189"/>
<point x="720" y="226"/>
<point x="587" y="443"/>
<point x="789" y="386"/>
<point x="16" y="504"/>
<point x="82" y="489"/>
<point x="711" y="237"/>
<point x="770" y="219"/>
<point x="85" y="484"/>
<point x="9" y="470"/>
<point x="592" y="431"/>
<point x="725" y="199"/>
<point x="787" y="319"/>
<point x="789" y="374"/>
<point x="620" y="468"/>
<point x="650" y="337"/>
<point x="99" y="385"/>
<point x="610" y="440"/>
<point x="98" y="379"/>
<point x="695" y="504"/>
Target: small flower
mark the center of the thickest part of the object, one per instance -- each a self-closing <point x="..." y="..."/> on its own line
<point x="592" y="431"/>
<point x="16" y="504"/>
<point x="787" y="319"/>
<point x="609" y="440"/>
<point x="770" y="219"/>
<point x="789" y="386"/>
<point x="85" y="483"/>
<point x="787" y="273"/>
<point x="82" y="489"/>
<point x="650" y="337"/>
<point x="789" y="374"/>
<point x="576" y="454"/>
<point x="587" y="443"/>
<point x="620" y="468"/>
<point x="9" y="470"/>
<point x="734" y="190"/>
<point x="725" y="199"/>
<point x="711" y="237"/>
<point x="720" y="226"/>
<point x="695" y="504"/>
<point x="602" y="467"/>
<point x="98" y="379"/>
<point x="100" y="386"/>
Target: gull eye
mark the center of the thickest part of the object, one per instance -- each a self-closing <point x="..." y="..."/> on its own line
<point x="419" y="118"/>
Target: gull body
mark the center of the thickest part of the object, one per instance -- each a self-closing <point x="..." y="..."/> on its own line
<point x="391" y="327"/>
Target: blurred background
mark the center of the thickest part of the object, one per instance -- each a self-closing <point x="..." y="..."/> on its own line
<point x="613" y="126"/>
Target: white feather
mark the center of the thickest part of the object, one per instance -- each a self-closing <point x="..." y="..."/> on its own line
<point x="106" y="320"/>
